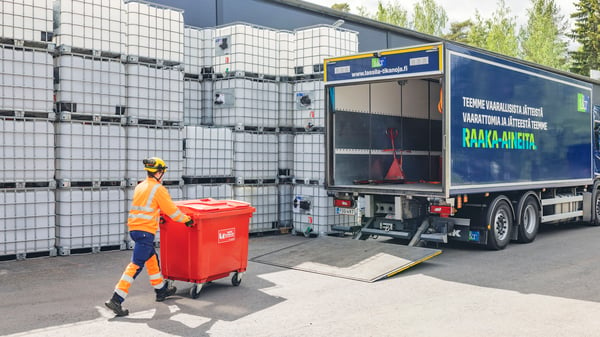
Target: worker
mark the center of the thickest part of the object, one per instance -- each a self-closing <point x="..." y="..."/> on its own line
<point x="149" y="199"/>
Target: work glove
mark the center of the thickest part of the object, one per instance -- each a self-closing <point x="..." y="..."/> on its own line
<point x="190" y="223"/>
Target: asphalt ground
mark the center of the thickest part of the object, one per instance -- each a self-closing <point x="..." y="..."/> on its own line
<point x="547" y="288"/>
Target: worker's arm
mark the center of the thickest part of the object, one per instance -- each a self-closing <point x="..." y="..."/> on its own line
<point x="168" y="207"/>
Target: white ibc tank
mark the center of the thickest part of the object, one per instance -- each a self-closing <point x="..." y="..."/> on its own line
<point x="316" y="211"/>
<point x="198" y="49"/>
<point x="208" y="152"/>
<point x="91" y="25"/>
<point x="265" y="199"/>
<point x="309" y="104"/>
<point x="241" y="47"/>
<point x="154" y="31"/>
<point x="255" y="155"/>
<point x="148" y="141"/>
<point x="90" y="152"/>
<point x="95" y="85"/>
<point x="245" y="101"/>
<point x="89" y="217"/>
<point x="309" y="156"/>
<point x="26" y="20"/>
<point x="27" y="223"/>
<point x="26" y="81"/>
<point x="154" y="93"/>
<point x="27" y="150"/>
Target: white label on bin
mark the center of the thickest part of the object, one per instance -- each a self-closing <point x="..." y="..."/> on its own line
<point x="226" y="235"/>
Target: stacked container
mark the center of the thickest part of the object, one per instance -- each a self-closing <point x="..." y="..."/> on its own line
<point x="247" y="49"/>
<point x="90" y="25"/>
<point x="90" y="151"/>
<point x="154" y="32"/>
<point x="27" y="203"/>
<point x="247" y="102"/>
<point x="313" y="211"/>
<point x="27" y="21"/>
<point x="316" y="43"/>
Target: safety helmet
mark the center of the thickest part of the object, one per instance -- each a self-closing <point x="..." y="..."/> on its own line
<point x="154" y="164"/>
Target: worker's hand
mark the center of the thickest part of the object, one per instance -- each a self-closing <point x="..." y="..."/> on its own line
<point x="161" y="220"/>
<point x="190" y="223"/>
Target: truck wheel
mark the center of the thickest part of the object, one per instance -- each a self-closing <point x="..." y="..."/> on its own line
<point x="596" y="206"/>
<point x="500" y="221"/>
<point x="529" y="220"/>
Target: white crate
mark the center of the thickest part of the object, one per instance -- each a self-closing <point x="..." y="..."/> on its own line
<point x="203" y="191"/>
<point x="26" y="150"/>
<point x="154" y="93"/>
<point x="316" y="43"/>
<point x="148" y="141"/>
<point x="242" y="47"/>
<point x="89" y="217"/>
<point x="154" y="31"/>
<point x="29" y="20"/>
<point x="198" y="49"/>
<point x="26" y="81"/>
<point x="309" y="156"/>
<point x="309" y="104"/>
<point x="320" y="215"/>
<point x="265" y="199"/>
<point x="245" y="101"/>
<point x="91" y="24"/>
<point x="208" y="152"/>
<point x="286" y="154"/>
<point x="192" y="101"/>
<point x="90" y="151"/>
<point x="26" y="221"/>
<point x="96" y="86"/>
<point x="255" y="155"/>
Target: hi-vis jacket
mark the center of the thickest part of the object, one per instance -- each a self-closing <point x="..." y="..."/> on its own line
<point x="149" y="199"/>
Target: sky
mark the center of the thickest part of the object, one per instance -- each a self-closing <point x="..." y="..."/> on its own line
<point x="459" y="10"/>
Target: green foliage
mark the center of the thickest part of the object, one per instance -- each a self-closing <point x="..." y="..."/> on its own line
<point x="497" y="34"/>
<point x="391" y="12"/>
<point x="459" y="31"/>
<point x="429" y="18"/>
<point x="344" y="7"/>
<point x="587" y="33"/>
<point x="542" y="39"/>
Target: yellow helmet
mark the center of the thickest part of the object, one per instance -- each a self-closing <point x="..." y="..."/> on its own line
<point x="154" y="164"/>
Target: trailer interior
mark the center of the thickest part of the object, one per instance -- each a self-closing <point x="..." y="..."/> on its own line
<point x="386" y="136"/>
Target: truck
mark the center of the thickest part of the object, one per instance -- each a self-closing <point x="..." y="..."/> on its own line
<point x="442" y="141"/>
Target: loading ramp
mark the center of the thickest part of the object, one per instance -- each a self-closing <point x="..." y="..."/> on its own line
<point x="366" y="261"/>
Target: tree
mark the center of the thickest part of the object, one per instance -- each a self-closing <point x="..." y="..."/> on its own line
<point x="497" y="34"/>
<point x="344" y="7"/>
<point x="459" y="31"/>
<point x="429" y="18"/>
<point x="542" y="39"/>
<point x="587" y="33"/>
<point x="390" y="12"/>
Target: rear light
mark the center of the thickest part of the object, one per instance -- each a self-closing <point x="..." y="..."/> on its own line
<point x="441" y="210"/>
<point x="343" y="203"/>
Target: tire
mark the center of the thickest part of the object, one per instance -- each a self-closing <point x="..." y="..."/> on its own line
<point x="195" y="290"/>
<point x="595" y="221"/>
<point x="529" y="220"/>
<point x="236" y="279"/>
<point x="500" y="223"/>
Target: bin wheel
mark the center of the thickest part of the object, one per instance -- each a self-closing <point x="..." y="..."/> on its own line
<point x="195" y="290"/>
<point x="236" y="279"/>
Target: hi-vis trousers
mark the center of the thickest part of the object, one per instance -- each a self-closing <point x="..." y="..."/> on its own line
<point x="143" y="254"/>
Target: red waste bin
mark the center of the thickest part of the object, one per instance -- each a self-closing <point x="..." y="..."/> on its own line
<point x="214" y="248"/>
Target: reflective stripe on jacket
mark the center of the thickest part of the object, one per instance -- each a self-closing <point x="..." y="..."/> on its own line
<point x="149" y="198"/>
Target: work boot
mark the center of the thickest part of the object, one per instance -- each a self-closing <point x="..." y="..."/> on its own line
<point x="115" y="306"/>
<point x="165" y="292"/>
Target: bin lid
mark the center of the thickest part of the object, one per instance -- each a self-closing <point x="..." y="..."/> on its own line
<point x="211" y="206"/>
